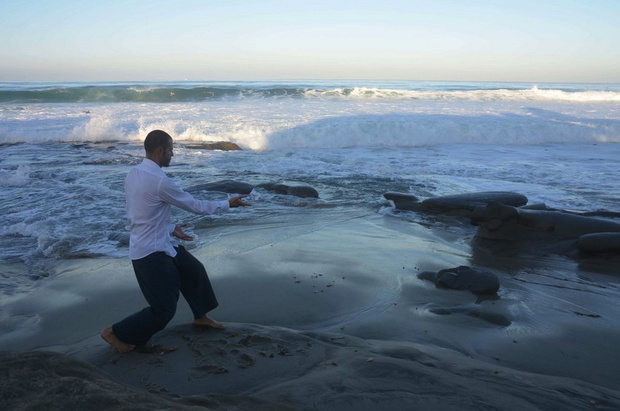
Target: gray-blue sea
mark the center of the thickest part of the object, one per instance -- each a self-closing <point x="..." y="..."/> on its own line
<point x="66" y="147"/>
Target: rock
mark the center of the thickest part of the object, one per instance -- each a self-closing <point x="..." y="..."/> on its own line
<point x="216" y="145"/>
<point x="122" y="238"/>
<point x="428" y="275"/>
<point x="297" y="191"/>
<point x="403" y="201"/>
<point x="469" y="201"/>
<point x="52" y="381"/>
<point x="225" y="186"/>
<point x="476" y="280"/>
<point x="458" y="204"/>
<point x="599" y="243"/>
<point x="502" y="222"/>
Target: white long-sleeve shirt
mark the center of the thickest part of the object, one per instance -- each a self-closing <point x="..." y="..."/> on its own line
<point x="150" y="195"/>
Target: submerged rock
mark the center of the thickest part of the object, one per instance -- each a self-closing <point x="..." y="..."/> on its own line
<point x="476" y="280"/>
<point x="490" y="317"/>
<point x="121" y="238"/>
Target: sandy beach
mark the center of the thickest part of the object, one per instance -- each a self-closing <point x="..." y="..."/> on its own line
<point x="332" y="317"/>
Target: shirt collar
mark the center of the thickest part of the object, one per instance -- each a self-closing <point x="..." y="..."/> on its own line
<point x="152" y="167"/>
<point x="147" y="162"/>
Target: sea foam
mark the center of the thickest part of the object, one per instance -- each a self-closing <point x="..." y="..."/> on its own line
<point x="332" y="118"/>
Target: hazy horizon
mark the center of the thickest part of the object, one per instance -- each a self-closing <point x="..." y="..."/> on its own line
<point x="514" y="41"/>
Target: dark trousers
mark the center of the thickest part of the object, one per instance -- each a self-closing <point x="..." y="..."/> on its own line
<point x="161" y="277"/>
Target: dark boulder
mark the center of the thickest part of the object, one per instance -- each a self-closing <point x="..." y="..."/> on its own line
<point x="225" y="186"/>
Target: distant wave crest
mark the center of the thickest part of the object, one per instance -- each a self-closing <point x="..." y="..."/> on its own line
<point x="532" y="94"/>
<point x="138" y="94"/>
<point x="171" y="94"/>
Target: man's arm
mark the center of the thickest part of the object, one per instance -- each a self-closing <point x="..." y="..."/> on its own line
<point x="172" y="194"/>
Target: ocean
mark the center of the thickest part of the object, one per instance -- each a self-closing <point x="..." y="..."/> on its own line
<point x="65" y="149"/>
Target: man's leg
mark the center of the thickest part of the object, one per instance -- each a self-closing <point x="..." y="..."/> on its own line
<point x="196" y="288"/>
<point x="159" y="282"/>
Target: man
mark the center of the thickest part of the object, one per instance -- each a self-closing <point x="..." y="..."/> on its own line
<point x="162" y="269"/>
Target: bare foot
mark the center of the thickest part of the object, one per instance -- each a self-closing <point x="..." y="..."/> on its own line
<point x="109" y="337"/>
<point x="208" y="322"/>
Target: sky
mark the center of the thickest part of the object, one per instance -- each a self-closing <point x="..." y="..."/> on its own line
<point x="461" y="40"/>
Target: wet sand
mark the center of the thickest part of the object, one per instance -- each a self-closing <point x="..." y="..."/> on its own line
<point x="331" y="317"/>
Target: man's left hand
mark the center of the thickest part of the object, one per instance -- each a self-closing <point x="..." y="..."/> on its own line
<point x="178" y="233"/>
<point x="237" y="201"/>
